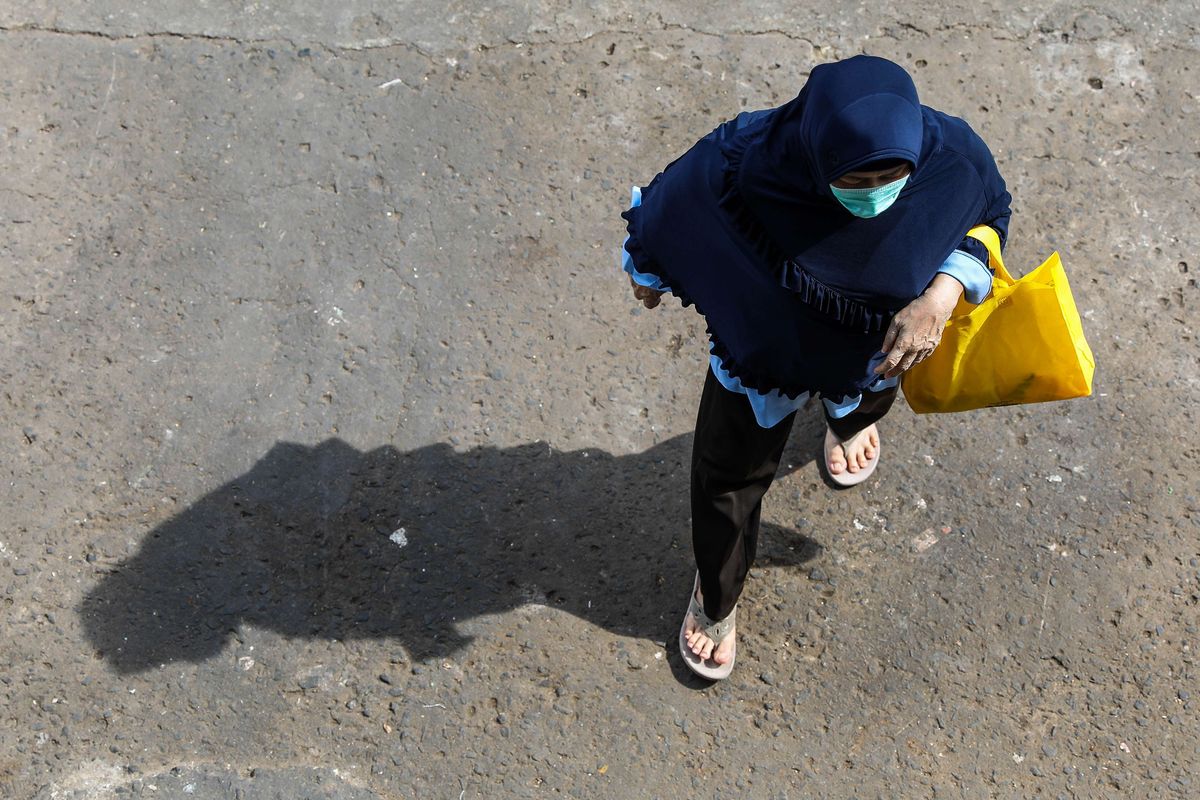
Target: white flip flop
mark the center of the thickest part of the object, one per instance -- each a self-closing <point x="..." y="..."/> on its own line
<point x="715" y="630"/>
<point x="848" y="478"/>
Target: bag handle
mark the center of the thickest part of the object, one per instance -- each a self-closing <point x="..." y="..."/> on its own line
<point x="991" y="240"/>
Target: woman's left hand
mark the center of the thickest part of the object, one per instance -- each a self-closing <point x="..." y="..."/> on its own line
<point x="916" y="330"/>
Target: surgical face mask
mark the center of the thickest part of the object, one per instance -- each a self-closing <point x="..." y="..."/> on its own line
<point x="867" y="203"/>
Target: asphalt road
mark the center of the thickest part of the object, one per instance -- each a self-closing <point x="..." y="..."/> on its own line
<point x="338" y="461"/>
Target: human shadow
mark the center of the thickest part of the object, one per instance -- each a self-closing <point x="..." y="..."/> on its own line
<point x="334" y="542"/>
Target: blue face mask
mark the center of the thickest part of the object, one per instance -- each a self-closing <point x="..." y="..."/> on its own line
<point x="867" y="203"/>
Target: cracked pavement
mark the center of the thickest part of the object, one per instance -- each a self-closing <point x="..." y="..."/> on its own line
<point x="339" y="461"/>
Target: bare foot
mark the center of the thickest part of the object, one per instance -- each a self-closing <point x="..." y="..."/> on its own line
<point x="856" y="453"/>
<point x="702" y="645"/>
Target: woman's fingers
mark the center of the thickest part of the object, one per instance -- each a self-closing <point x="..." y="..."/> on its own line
<point x="889" y="339"/>
<point x="908" y="354"/>
<point x="896" y="354"/>
<point x="901" y="356"/>
<point x="892" y="365"/>
<point x="911" y="338"/>
<point x="909" y="359"/>
<point x="890" y="349"/>
<point x="650" y="297"/>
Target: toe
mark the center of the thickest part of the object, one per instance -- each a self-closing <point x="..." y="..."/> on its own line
<point x="697" y="641"/>
<point x="837" y="460"/>
<point x="724" y="653"/>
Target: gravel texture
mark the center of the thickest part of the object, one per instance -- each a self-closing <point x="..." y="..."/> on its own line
<point x="339" y="462"/>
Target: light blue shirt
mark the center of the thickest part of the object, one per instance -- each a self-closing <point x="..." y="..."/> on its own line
<point x="770" y="408"/>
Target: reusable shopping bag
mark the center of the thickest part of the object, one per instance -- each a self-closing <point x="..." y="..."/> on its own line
<point x="1023" y="344"/>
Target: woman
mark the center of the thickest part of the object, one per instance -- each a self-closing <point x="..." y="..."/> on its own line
<point x="824" y="242"/>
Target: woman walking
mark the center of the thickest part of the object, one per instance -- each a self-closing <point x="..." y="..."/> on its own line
<point x="825" y="243"/>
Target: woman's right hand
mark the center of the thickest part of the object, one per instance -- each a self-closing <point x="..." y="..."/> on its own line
<point x="649" y="297"/>
<point x="917" y="329"/>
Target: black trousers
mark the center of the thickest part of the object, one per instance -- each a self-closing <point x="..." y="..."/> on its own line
<point x="734" y="462"/>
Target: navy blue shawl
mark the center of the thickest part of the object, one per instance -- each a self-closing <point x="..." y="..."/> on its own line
<point x="796" y="291"/>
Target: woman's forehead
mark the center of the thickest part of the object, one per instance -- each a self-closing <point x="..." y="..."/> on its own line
<point x="877" y="171"/>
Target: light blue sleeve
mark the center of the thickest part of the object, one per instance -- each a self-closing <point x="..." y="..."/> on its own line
<point x="640" y="278"/>
<point x="848" y="404"/>
<point x="770" y="408"/>
<point x="972" y="273"/>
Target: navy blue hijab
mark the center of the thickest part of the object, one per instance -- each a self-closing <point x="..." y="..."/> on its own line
<point x="797" y="292"/>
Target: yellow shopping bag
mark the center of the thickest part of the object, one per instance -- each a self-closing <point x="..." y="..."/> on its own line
<point x="1023" y="344"/>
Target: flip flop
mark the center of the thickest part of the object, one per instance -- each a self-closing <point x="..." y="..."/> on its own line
<point x="715" y="630"/>
<point x="847" y="478"/>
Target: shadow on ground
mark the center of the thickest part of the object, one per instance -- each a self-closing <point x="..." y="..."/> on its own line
<point x="333" y="542"/>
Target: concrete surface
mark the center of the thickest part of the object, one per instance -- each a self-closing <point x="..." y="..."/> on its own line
<point x="339" y="462"/>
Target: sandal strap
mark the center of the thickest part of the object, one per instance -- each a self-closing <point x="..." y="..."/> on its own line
<point x="716" y="630"/>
